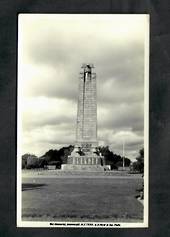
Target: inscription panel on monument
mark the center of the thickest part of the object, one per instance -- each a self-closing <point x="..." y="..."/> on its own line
<point x="86" y="147"/>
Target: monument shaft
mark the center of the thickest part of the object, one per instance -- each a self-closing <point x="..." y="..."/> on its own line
<point x="86" y="129"/>
<point x="84" y="155"/>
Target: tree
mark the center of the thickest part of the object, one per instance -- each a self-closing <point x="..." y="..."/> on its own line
<point x="51" y="155"/>
<point x="60" y="156"/>
<point x="111" y="158"/>
<point x="27" y="159"/>
<point x="42" y="162"/>
<point x="64" y="152"/>
<point x="138" y="165"/>
<point x="32" y="162"/>
<point x="126" y="162"/>
<point x="56" y="163"/>
<point x="24" y="163"/>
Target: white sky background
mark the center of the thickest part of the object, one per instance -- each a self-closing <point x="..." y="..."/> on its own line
<point x="52" y="49"/>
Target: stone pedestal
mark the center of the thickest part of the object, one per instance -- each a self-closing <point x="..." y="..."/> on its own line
<point x="86" y="162"/>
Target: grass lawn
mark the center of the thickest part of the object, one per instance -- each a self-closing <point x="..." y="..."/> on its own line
<point x="81" y="199"/>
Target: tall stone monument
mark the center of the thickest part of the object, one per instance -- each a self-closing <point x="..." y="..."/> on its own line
<point x="85" y="155"/>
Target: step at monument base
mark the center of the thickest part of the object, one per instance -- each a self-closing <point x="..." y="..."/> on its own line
<point x="72" y="167"/>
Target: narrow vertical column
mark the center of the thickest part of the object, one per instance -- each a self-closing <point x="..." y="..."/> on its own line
<point x="86" y="130"/>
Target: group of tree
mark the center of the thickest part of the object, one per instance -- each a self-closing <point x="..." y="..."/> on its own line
<point x="51" y="157"/>
<point x="115" y="161"/>
<point x="59" y="157"/>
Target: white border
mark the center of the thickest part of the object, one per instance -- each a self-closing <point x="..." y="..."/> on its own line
<point x="53" y="224"/>
<point x="19" y="133"/>
<point x="146" y="124"/>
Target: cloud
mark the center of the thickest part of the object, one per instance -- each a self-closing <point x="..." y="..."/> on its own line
<point x="132" y="142"/>
<point x="58" y="50"/>
<point x="51" y="50"/>
<point x="120" y="116"/>
<point x="43" y="111"/>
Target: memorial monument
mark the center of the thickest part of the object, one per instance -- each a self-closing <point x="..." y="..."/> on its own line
<point x="85" y="155"/>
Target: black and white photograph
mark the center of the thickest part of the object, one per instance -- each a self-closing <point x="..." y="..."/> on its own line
<point x="82" y="120"/>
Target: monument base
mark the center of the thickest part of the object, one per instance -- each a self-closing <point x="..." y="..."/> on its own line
<point x="89" y="162"/>
<point x="70" y="167"/>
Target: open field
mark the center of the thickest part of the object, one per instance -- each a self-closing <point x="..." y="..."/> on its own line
<point x="81" y="198"/>
<point x="58" y="172"/>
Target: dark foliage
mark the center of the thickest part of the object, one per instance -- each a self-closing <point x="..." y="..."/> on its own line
<point x="111" y="158"/>
<point x="59" y="157"/>
<point x="138" y="165"/>
<point x="29" y="161"/>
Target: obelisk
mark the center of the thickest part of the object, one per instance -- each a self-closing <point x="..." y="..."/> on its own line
<point x="86" y="130"/>
<point x="85" y="155"/>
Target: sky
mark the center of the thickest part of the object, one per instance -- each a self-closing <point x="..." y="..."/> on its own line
<point x="51" y="50"/>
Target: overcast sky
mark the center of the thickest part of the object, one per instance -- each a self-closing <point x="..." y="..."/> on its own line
<point x="52" y="49"/>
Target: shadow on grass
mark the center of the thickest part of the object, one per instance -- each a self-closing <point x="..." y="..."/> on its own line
<point x="31" y="186"/>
